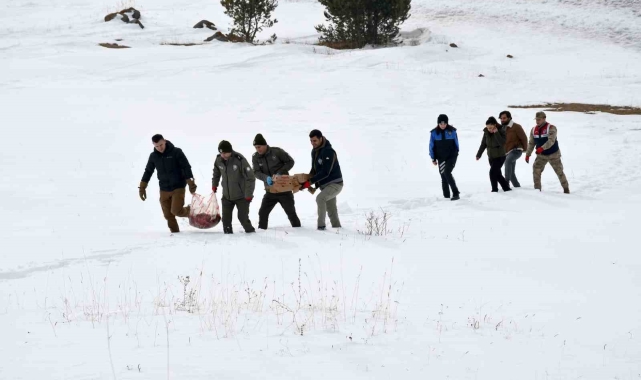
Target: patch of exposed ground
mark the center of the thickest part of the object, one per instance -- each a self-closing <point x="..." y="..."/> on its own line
<point x="586" y="108"/>
<point x="113" y="46"/>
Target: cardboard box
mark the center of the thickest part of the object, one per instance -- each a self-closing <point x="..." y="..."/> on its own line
<point x="285" y="183"/>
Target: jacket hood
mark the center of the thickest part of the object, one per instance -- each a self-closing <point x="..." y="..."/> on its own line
<point x="325" y="143"/>
<point x="448" y="128"/>
<point x="168" y="147"/>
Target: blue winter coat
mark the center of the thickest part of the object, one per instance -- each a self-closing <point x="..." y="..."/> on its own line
<point x="443" y="143"/>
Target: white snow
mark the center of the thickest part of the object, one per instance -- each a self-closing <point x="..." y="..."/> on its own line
<point x="519" y="285"/>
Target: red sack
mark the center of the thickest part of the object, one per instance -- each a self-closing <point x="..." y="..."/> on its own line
<point x="204" y="212"/>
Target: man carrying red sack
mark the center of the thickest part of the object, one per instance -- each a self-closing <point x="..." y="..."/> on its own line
<point x="174" y="173"/>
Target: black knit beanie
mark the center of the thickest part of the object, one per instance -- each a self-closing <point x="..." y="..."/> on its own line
<point x="443" y="117"/>
<point x="259" y="140"/>
<point x="224" y="147"/>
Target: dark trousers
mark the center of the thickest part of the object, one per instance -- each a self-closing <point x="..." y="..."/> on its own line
<point x="496" y="176"/>
<point x="447" y="179"/>
<point x="270" y="200"/>
<point x="243" y="214"/>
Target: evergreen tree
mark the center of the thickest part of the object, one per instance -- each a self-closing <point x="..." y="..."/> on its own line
<point x="250" y="16"/>
<point x="356" y="23"/>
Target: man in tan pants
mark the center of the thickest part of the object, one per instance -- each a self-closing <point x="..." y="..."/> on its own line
<point x="174" y="173"/>
<point x="544" y="137"/>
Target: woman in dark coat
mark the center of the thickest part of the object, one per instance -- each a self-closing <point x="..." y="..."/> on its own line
<point x="494" y="141"/>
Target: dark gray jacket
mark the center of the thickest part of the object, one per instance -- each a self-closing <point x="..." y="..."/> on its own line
<point x="274" y="161"/>
<point x="238" y="178"/>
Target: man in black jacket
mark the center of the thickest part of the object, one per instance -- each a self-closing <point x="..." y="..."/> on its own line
<point x="326" y="174"/>
<point x="174" y="173"/>
<point x="268" y="162"/>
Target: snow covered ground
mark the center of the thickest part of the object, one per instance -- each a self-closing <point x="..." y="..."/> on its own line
<point x="520" y="285"/>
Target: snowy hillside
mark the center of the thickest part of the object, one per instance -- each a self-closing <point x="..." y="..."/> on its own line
<point x="518" y="285"/>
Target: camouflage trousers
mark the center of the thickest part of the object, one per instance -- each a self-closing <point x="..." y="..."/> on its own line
<point x="555" y="161"/>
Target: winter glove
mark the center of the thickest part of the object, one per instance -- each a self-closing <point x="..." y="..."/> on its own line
<point x="527" y="159"/>
<point x="214" y="189"/>
<point x="539" y="150"/>
<point x="142" y="190"/>
<point x="270" y="181"/>
<point x="249" y="199"/>
<point x="192" y="185"/>
<point x="434" y="162"/>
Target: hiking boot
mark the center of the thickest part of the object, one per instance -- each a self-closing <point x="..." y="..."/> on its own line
<point x="508" y="189"/>
<point x="228" y="230"/>
<point x="321" y="228"/>
<point x="173" y="225"/>
<point x="456" y="197"/>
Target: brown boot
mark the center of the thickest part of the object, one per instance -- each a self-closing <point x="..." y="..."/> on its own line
<point x="173" y="225"/>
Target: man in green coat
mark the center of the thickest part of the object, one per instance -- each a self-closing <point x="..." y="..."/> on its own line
<point x="238" y="186"/>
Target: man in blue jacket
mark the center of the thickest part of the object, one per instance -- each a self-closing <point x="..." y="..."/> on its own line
<point x="326" y="175"/>
<point x="444" y="153"/>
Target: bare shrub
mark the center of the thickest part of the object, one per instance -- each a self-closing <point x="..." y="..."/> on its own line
<point x="376" y="224"/>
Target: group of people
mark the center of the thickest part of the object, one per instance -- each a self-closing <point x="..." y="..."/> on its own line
<point x="505" y="142"/>
<point x="233" y="172"/>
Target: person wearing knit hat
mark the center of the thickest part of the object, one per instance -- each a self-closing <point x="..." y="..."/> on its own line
<point x="259" y="140"/>
<point x="238" y="184"/>
<point x="444" y="150"/>
<point x="269" y="162"/>
<point x="224" y="147"/>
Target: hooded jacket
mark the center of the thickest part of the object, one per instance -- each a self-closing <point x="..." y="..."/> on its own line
<point x="325" y="167"/>
<point x="493" y="142"/>
<point x="443" y="143"/>
<point x="172" y="166"/>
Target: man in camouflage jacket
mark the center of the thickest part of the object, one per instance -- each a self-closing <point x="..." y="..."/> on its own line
<point x="544" y="137"/>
